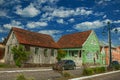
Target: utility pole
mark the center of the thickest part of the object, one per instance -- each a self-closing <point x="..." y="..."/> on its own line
<point x="109" y="41"/>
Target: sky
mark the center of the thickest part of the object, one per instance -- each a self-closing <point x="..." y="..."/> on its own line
<point x="60" y="17"/>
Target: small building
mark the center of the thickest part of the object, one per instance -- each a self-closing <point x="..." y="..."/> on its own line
<point x="115" y="51"/>
<point x="42" y="47"/>
<point x="82" y="47"/>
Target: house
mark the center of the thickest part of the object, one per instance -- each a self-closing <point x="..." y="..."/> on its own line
<point x="42" y="47"/>
<point x="2" y="48"/>
<point x="115" y="54"/>
<point x="82" y="47"/>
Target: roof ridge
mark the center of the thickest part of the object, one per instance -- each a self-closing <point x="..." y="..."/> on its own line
<point x="77" y="32"/>
<point x="14" y="29"/>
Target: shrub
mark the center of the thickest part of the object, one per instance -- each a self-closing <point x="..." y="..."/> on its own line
<point x="91" y="71"/>
<point x="66" y="74"/>
<point x="88" y="71"/>
<point x="22" y="77"/>
<point x="117" y="67"/>
<point x="61" y="54"/>
<point x="3" y="65"/>
<point x="20" y="55"/>
<point x="99" y="69"/>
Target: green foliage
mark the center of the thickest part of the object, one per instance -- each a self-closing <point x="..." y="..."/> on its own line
<point x="22" y="77"/>
<point x="88" y="71"/>
<point x="91" y="71"/>
<point x="20" y="55"/>
<point x="66" y="74"/>
<point x="116" y="67"/>
<point x="61" y="54"/>
<point x="3" y="65"/>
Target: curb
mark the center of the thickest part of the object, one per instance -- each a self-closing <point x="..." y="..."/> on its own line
<point x="85" y="77"/>
<point x="13" y="71"/>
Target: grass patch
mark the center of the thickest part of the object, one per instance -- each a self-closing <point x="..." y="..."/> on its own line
<point x="2" y="65"/>
<point x="22" y="77"/>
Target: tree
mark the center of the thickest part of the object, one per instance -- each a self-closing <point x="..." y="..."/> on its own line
<point x="20" y="55"/>
<point x="61" y="54"/>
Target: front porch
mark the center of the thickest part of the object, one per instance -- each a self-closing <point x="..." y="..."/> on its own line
<point x="75" y="55"/>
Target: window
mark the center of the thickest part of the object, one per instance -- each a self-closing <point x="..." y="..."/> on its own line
<point x="52" y="52"/>
<point x="45" y="52"/>
<point x="36" y="50"/>
<point x="80" y="54"/>
<point x="73" y="53"/>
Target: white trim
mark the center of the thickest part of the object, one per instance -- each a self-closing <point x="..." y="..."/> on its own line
<point x="87" y="38"/>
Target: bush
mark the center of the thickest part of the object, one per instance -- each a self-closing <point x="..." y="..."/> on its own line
<point x="91" y="71"/>
<point x="3" y="65"/>
<point x="100" y="69"/>
<point x="66" y="74"/>
<point x="113" y="67"/>
<point x="88" y="71"/>
<point x="22" y="77"/>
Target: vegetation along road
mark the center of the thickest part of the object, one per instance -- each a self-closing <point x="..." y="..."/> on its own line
<point x="37" y="74"/>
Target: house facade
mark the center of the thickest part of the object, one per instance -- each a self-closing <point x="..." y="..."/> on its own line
<point x="42" y="48"/>
<point x="82" y="47"/>
<point x="115" y="54"/>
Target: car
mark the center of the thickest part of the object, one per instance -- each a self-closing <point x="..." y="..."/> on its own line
<point x="64" y="65"/>
<point x="115" y="63"/>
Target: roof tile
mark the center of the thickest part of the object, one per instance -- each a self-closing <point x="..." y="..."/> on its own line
<point x="73" y="40"/>
<point x="33" y="38"/>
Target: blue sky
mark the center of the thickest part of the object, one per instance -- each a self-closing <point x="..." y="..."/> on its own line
<point x="60" y="17"/>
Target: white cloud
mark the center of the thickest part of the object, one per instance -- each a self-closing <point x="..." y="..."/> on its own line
<point x="48" y="8"/>
<point x="56" y="34"/>
<point x="13" y="24"/>
<point x="94" y="25"/>
<point x="89" y="25"/>
<point x="103" y="1"/>
<point x="3" y="13"/>
<point x="29" y="11"/>
<point x="118" y="21"/>
<point x="45" y="1"/>
<point x="82" y="11"/>
<point x="71" y="20"/>
<point x="1" y="30"/>
<point x="118" y="30"/>
<point x="50" y="32"/>
<point x="36" y="24"/>
<point x="104" y="16"/>
<point x="1" y="2"/>
<point x="107" y="20"/>
<point x="61" y="21"/>
<point x="2" y="38"/>
<point x="64" y="12"/>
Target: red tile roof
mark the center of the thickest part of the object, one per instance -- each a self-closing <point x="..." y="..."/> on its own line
<point x="74" y="40"/>
<point x="33" y="38"/>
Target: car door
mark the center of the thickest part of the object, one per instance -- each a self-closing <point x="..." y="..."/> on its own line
<point x="71" y="64"/>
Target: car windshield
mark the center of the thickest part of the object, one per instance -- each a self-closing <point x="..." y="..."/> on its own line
<point x="62" y="61"/>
